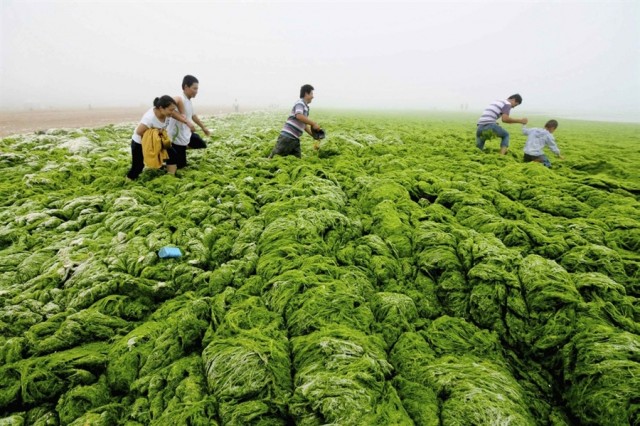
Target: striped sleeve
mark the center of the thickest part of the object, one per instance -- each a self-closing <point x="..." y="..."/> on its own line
<point x="494" y="111"/>
<point x="293" y="126"/>
<point x="298" y="108"/>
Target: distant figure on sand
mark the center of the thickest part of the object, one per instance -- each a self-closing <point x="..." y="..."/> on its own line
<point x="183" y="134"/>
<point x="537" y="139"/>
<point x="155" y="118"/>
<point x="236" y="106"/>
<point x="289" y="140"/>
<point x="487" y="126"/>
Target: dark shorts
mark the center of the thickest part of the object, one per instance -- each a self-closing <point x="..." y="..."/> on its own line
<point x="196" y="142"/>
<point x="537" y="158"/>
<point x="287" y="145"/>
<point x="137" y="159"/>
<point x="181" y="156"/>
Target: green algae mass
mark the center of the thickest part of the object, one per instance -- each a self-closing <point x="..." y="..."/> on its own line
<point x="394" y="276"/>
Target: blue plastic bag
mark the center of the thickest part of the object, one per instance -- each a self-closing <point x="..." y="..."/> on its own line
<point x="166" y="252"/>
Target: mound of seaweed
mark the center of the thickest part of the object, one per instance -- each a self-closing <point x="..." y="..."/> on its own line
<point x="394" y="275"/>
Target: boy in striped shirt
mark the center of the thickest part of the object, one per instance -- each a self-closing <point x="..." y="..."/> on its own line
<point x="487" y="126"/>
<point x="289" y="140"/>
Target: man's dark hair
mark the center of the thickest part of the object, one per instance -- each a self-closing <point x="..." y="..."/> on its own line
<point x="307" y="88"/>
<point x="551" y="124"/>
<point x="517" y="98"/>
<point x="188" y="81"/>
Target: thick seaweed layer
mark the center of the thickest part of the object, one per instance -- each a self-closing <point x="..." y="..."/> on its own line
<point x="395" y="275"/>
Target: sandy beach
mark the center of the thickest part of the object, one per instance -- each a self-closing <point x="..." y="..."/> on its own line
<point x="20" y="122"/>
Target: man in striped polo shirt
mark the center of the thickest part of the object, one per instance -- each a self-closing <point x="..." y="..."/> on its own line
<point x="487" y="126"/>
<point x="289" y="140"/>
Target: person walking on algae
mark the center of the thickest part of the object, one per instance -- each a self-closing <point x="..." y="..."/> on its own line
<point x="537" y="139"/>
<point x="155" y="118"/>
<point x="181" y="129"/>
<point x="487" y="126"/>
<point x="288" y="142"/>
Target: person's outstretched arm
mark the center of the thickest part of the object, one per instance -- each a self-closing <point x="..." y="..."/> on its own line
<point x="551" y="143"/>
<point x="306" y="120"/>
<point x="196" y="120"/>
<point x="178" y="114"/>
<point x="509" y="120"/>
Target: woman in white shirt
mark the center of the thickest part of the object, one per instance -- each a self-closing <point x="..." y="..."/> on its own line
<point x="154" y="118"/>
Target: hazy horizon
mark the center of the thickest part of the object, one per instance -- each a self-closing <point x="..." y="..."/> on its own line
<point x="566" y="58"/>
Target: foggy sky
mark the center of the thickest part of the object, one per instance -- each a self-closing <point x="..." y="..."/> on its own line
<point x="577" y="58"/>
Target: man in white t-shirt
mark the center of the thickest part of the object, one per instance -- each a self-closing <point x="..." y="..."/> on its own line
<point x="184" y="136"/>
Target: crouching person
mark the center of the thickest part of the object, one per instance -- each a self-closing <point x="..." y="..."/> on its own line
<point x="297" y="123"/>
<point x="537" y="139"/>
<point x="155" y="118"/>
<point x="182" y="131"/>
<point x="487" y="125"/>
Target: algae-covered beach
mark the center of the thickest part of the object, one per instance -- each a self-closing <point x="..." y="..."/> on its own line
<point x="394" y="275"/>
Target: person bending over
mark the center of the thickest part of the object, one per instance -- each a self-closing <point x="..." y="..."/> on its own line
<point x="288" y="142"/>
<point x="155" y="118"/>
<point x="537" y="139"/>
<point x="181" y="129"/>
<point x="487" y="125"/>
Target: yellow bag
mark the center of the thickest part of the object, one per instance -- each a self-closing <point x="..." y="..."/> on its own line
<point x="154" y="147"/>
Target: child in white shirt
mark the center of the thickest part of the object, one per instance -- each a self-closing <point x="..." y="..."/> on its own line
<point x="537" y="139"/>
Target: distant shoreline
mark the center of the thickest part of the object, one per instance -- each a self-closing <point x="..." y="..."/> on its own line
<point x="29" y="121"/>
